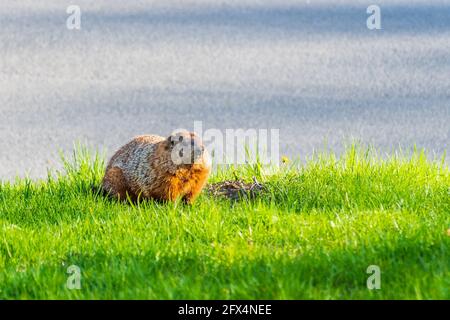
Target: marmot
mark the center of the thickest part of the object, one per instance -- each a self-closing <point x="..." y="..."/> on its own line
<point x="153" y="167"/>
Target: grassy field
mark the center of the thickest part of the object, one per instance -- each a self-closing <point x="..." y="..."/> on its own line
<point x="311" y="235"/>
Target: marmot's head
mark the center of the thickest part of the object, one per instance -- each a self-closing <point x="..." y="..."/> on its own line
<point x="186" y="148"/>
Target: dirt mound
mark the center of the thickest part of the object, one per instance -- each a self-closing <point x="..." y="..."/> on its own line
<point x="235" y="189"/>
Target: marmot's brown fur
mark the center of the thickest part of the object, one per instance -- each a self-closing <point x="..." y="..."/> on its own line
<point x="153" y="167"/>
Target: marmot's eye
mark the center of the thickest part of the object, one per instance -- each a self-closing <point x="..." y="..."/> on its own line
<point x="172" y="142"/>
<point x="180" y="138"/>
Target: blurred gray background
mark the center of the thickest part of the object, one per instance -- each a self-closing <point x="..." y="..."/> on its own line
<point x="310" y="68"/>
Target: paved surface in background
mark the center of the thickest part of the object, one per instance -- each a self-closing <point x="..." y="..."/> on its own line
<point x="311" y="69"/>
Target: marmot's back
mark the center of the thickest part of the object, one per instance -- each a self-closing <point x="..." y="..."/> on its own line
<point x="134" y="152"/>
<point x="149" y="167"/>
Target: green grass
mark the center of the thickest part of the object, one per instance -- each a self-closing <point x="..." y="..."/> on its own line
<point x="312" y="235"/>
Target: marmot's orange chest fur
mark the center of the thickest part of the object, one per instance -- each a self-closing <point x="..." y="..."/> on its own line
<point x="153" y="167"/>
